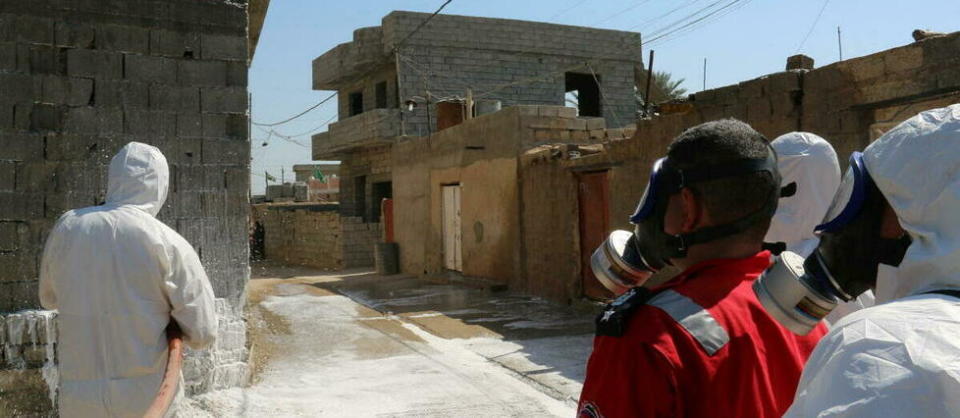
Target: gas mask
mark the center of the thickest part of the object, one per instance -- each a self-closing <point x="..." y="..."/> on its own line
<point x="799" y="292"/>
<point x="627" y="259"/>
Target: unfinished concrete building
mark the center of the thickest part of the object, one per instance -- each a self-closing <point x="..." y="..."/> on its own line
<point x="391" y="78"/>
<point x="78" y="80"/>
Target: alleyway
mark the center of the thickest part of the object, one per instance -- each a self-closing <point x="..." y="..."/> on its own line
<point x="362" y="345"/>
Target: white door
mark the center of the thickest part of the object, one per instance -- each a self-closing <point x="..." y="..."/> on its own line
<point x="452" y="251"/>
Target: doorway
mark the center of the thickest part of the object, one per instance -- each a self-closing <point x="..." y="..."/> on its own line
<point x="452" y="236"/>
<point x="594" y="201"/>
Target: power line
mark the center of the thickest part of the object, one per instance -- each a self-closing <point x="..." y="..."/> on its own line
<point x="564" y="11"/>
<point x="682" y="6"/>
<point x="422" y="24"/>
<point x="814" y="25"/>
<point x="696" y="21"/>
<point x="720" y="14"/>
<point x="608" y="18"/>
<point x="298" y="114"/>
<point x="681" y="21"/>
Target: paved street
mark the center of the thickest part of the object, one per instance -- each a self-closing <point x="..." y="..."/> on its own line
<point x="362" y="345"/>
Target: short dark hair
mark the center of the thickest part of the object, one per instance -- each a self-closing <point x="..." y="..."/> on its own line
<point x="731" y="198"/>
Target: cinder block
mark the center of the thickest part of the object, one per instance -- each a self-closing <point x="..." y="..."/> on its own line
<point x="20" y="206"/>
<point x="21" y="147"/>
<point x="174" y="44"/>
<point x="35" y="176"/>
<point x="173" y="98"/>
<point x="28" y="29"/>
<point x="189" y="124"/>
<point x="224" y="47"/>
<point x="121" y="93"/>
<point x="123" y="38"/>
<point x="66" y="90"/>
<point x="46" y="117"/>
<point x="90" y="120"/>
<point x="224" y="100"/>
<point x="41" y="59"/>
<point x="8" y="56"/>
<point x="236" y="73"/>
<point x="8" y="170"/>
<point x="150" y="69"/>
<point x="202" y="73"/>
<point x="19" y="88"/>
<point x="93" y="63"/>
<point x="74" y="35"/>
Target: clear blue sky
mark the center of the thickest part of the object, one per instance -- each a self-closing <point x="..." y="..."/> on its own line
<point x="752" y="40"/>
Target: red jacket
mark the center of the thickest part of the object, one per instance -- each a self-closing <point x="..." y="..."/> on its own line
<point x="702" y="346"/>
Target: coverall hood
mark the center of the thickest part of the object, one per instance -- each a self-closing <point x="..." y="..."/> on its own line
<point x="809" y="161"/>
<point x="917" y="168"/>
<point x="138" y="176"/>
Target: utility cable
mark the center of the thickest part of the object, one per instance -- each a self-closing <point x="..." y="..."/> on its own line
<point x="680" y="32"/>
<point x="814" y="25"/>
<point x="422" y="24"/>
<point x="608" y="18"/>
<point x="298" y="114"/>
<point x="564" y="11"/>
<point x="694" y="22"/>
<point x="672" y="11"/>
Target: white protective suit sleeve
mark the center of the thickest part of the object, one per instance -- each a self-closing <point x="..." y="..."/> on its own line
<point x="902" y="357"/>
<point x="190" y="295"/>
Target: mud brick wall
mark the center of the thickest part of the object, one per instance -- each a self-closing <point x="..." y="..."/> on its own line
<point x="849" y="103"/>
<point x="78" y="80"/>
<point x="304" y="234"/>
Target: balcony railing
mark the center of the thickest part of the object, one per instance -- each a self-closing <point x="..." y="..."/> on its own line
<point x="379" y="126"/>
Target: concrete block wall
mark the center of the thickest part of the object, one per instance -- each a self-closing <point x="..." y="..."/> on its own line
<point x="81" y="79"/>
<point x="359" y="239"/>
<point x="378" y="125"/>
<point x="373" y="163"/>
<point x="307" y="235"/>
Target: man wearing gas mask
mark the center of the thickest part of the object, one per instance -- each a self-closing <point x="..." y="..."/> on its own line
<point x="893" y="226"/>
<point x="700" y="344"/>
<point x="808" y="165"/>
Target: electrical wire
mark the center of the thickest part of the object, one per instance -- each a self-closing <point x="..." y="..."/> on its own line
<point x="564" y="11"/>
<point x="422" y="24"/>
<point x="298" y="114"/>
<point x="672" y="11"/>
<point x="608" y="18"/>
<point x="720" y="14"/>
<point x="814" y="25"/>
<point x="696" y="21"/>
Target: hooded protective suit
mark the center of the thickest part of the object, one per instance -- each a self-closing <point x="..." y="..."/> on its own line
<point x="902" y="357"/>
<point x="810" y="162"/>
<point x="118" y="275"/>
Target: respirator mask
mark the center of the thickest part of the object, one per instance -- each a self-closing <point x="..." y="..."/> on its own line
<point x="799" y="292"/>
<point x="627" y="260"/>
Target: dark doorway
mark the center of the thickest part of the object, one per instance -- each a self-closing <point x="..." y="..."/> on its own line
<point x="381" y="95"/>
<point x="382" y="190"/>
<point x="360" y="197"/>
<point x="594" y="199"/>
<point x="587" y="93"/>
<point x="355" y="102"/>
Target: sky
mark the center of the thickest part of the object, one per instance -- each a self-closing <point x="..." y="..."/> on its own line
<point x="747" y="40"/>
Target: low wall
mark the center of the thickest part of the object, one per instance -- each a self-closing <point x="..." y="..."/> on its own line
<point x="303" y="234"/>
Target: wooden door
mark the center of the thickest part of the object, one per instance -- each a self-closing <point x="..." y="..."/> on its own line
<point x="594" y="200"/>
<point x="452" y="250"/>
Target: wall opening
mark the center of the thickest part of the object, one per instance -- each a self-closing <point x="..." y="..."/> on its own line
<point x="380" y="191"/>
<point x="381" y="95"/>
<point x="360" y="196"/>
<point x="355" y="103"/>
<point x="583" y="92"/>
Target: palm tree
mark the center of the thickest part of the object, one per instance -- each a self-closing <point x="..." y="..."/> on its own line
<point x="662" y="87"/>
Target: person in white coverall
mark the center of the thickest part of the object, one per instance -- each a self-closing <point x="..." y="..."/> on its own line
<point x="901" y="358"/>
<point x="118" y="276"/>
<point x="809" y="162"/>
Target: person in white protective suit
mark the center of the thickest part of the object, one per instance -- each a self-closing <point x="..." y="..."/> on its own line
<point x="810" y="163"/>
<point x="901" y="358"/>
<point x="118" y="277"/>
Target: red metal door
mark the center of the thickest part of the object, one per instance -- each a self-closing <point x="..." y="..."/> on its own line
<point x="594" y="226"/>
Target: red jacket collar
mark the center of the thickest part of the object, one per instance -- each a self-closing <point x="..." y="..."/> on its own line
<point x="755" y="263"/>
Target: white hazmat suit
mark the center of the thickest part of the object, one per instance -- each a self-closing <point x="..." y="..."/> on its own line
<point x="901" y="358"/>
<point x="811" y="163"/>
<point x="117" y="276"/>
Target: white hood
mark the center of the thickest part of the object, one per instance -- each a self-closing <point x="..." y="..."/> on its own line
<point x="809" y="161"/>
<point x="917" y="168"/>
<point x="139" y="177"/>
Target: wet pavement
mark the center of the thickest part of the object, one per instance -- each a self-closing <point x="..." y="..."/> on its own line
<point x="357" y="344"/>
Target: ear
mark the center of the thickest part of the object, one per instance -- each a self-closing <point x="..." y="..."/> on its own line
<point x="693" y="210"/>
